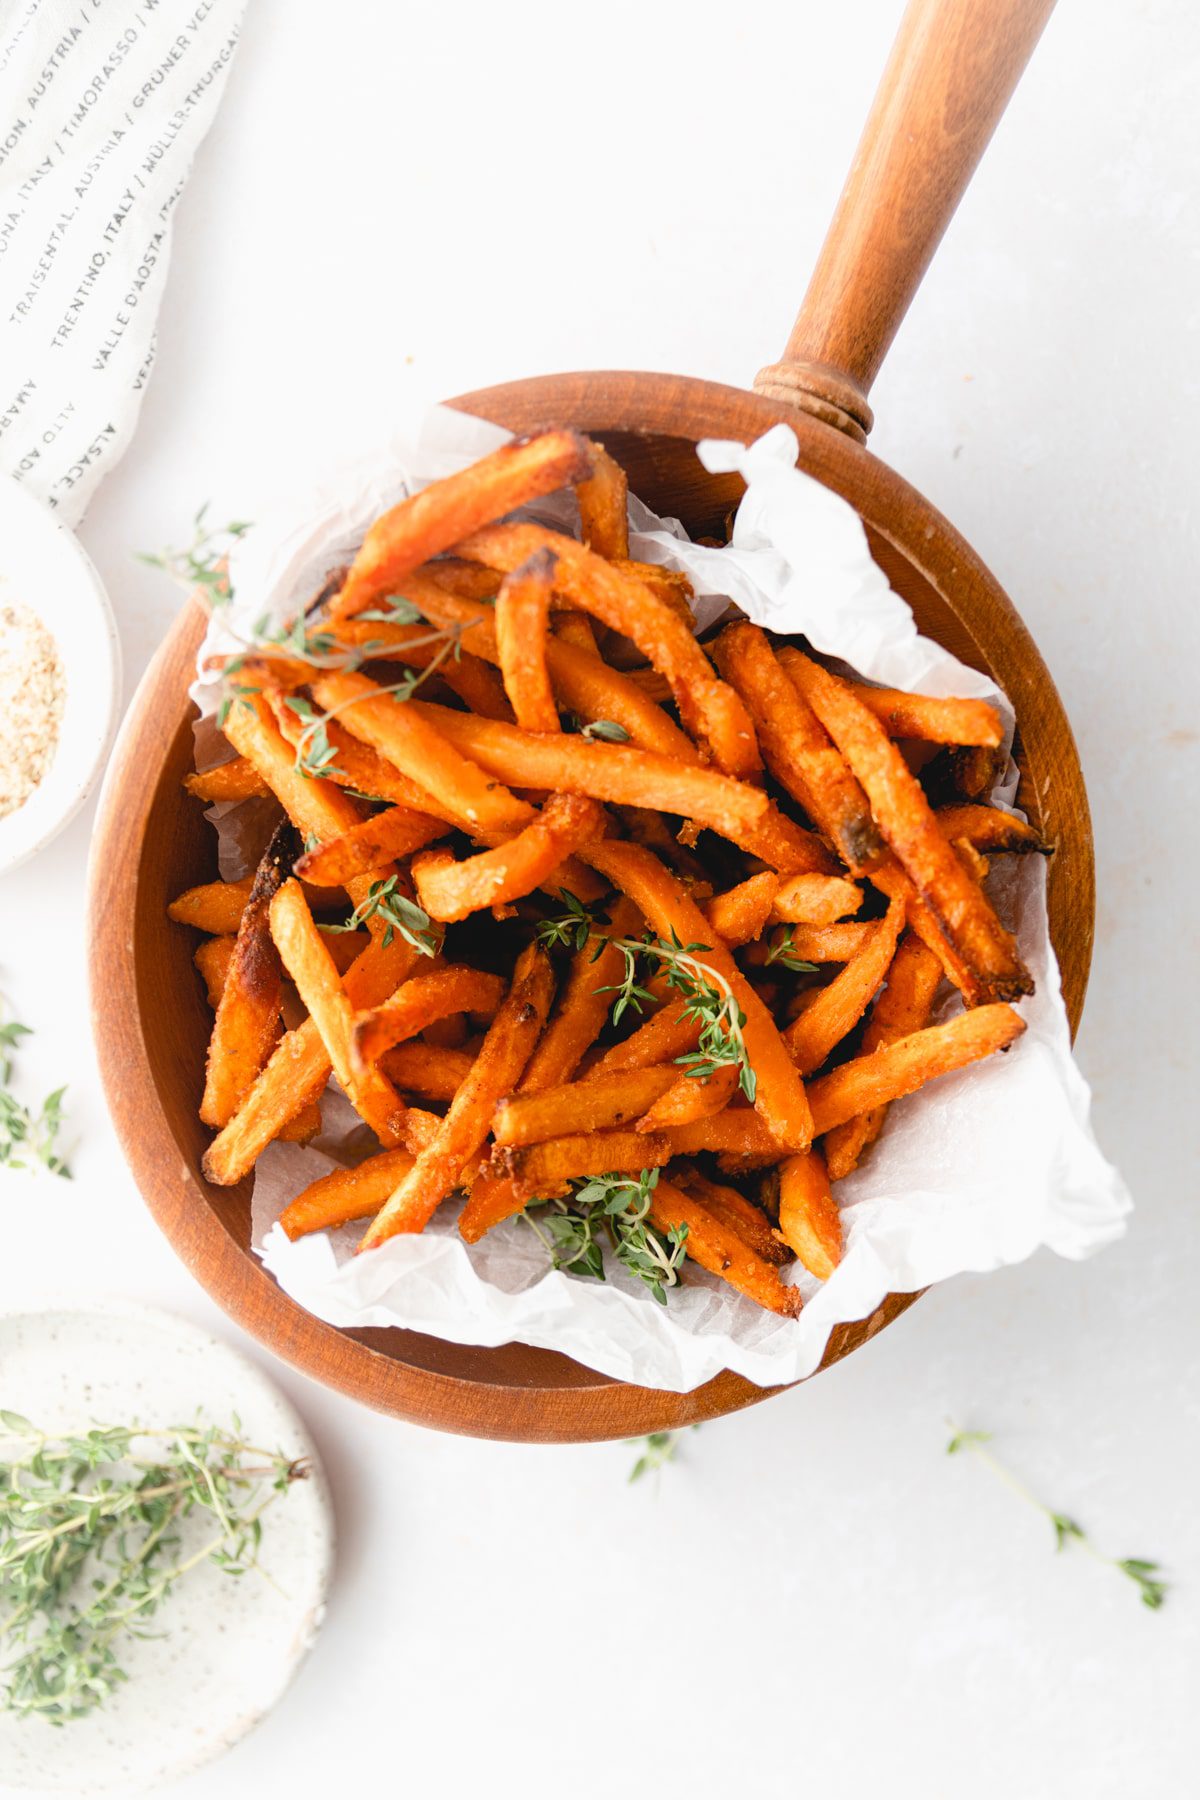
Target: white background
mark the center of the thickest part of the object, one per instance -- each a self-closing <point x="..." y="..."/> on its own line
<point x="399" y="203"/>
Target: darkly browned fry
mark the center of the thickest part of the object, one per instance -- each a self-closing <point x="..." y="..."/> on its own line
<point x="237" y="779"/>
<point x="907" y="822"/>
<point x="346" y="1194"/>
<point x="902" y="1008"/>
<point x="425" y="997"/>
<point x="937" y="721"/>
<point x="522" y="615"/>
<point x="440" y="516"/>
<point x="989" y="829"/>
<point x="247" y="1022"/>
<point x="719" y="1249"/>
<point x="450" y="890"/>
<point x="460" y="1135"/>
<point x="368" y="845"/>
<point x="809" y="1220"/>
<point x="709" y="707"/>
<point x="796" y="747"/>
<point x="604" y="506"/>
<point x="536" y="1168"/>
<point x="733" y="1209"/>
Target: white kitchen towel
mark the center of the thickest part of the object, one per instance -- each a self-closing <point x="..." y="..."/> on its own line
<point x="102" y="106"/>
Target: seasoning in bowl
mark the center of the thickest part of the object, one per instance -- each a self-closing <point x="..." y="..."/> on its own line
<point x="33" y="691"/>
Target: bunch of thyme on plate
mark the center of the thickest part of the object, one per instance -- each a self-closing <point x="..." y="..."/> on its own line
<point x="711" y="1003"/>
<point x="25" y="1134"/>
<point x="613" y="1209"/>
<point x="91" y="1544"/>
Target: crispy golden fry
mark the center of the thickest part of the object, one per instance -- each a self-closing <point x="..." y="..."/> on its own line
<point x="902" y="1008"/>
<point x="212" y="958"/>
<point x="233" y="780"/>
<point x="740" y="914"/>
<point x="311" y="968"/>
<point x="691" y="1097"/>
<point x="815" y="900"/>
<point x="346" y="1194"/>
<point x="421" y="1129"/>
<point x="902" y="1067"/>
<point x="575" y="628"/>
<point x="522" y="615"/>
<point x="584" y="1005"/>
<point x="670" y="586"/>
<point x="817" y="943"/>
<point x="937" y="721"/>
<point x="786" y="846"/>
<point x="975" y="864"/>
<point x="368" y="845"/>
<point x="409" y="737"/>
<point x="363" y="770"/>
<point x="450" y="890"/>
<point x="494" y="1073"/>
<point x="494" y="1198"/>
<point x="719" y="1249"/>
<point x="604" y="506"/>
<point x="737" y="1132"/>
<point x="796" y="747"/>
<point x="710" y="709"/>
<point x="838" y="1008"/>
<point x="428" y="1072"/>
<point x="299" y="1068"/>
<point x="440" y="516"/>
<point x="664" y="1036"/>
<point x="538" y="1168"/>
<point x="990" y="830"/>
<point x="904" y="816"/>
<point x="215" y="906"/>
<point x="423" y="998"/>
<point x="733" y="1209"/>
<point x="593" y="1104"/>
<point x="809" y="1220"/>
<point x="616" y="772"/>
<point x="666" y="905"/>
<point x="247" y="1022"/>
<point x="891" y="880"/>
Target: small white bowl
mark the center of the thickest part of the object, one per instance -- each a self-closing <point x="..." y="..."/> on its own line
<point x="43" y="567"/>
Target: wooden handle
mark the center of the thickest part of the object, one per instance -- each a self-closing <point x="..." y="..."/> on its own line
<point x="952" y="70"/>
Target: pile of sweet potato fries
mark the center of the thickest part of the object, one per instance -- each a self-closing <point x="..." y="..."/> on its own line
<point x="636" y="923"/>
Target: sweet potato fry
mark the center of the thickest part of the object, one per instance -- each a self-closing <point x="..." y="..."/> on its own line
<point x="440" y="516"/>
<point x="593" y="1104"/>
<point x="733" y="1209"/>
<point x="522" y="613"/>
<point x="710" y="709"/>
<point x="299" y="1068"/>
<point x="838" y="1008"/>
<point x="368" y="845"/>
<point x="421" y="1130"/>
<point x="936" y="721"/>
<point x="901" y="1068"/>
<point x="233" y="780"/>
<point x="796" y="747"/>
<point x="428" y="1072"/>
<point x="363" y="770"/>
<point x="604" y="506"/>
<point x="494" y="1073"/>
<point x="809" y="1220"/>
<point x="303" y="1127"/>
<point x="691" y="1097"/>
<point x="787" y="847"/>
<point x="423" y="998"/>
<point x="891" y="880"/>
<point x="538" y="1168"/>
<point x="738" y="1131"/>
<point x="670" y="586"/>
<point x="718" y="1248"/>
<point x="346" y="1194"/>
<point x="575" y="628"/>
<point x="902" y="1008"/>
<point x="815" y="900"/>
<point x="666" y="905"/>
<point x="450" y="890"/>
<point x="740" y="914"/>
<point x="212" y="958"/>
<point x="665" y="1035"/>
<point x="407" y="736"/>
<point x="818" y="943"/>
<point x="311" y="968"/>
<point x="494" y="1198"/>
<point x="247" y="1022"/>
<point x="989" y="829"/>
<point x="215" y="906"/>
<point x="583" y="1006"/>
<point x="904" y="817"/>
<point x="474" y="681"/>
<point x="617" y="772"/>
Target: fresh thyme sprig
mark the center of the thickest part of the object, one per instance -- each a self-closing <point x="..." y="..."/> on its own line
<point x="204" y="564"/>
<point x="399" y="914"/>
<point x="617" y="1206"/>
<point x="26" y="1134"/>
<point x="657" y="1450"/>
<point x="608" y="729"/>
<point x="782" y="949"/>
<point x="90" y="1545"/>
<point x="1146" y="1575"/>
<point x="711" y="1002"/>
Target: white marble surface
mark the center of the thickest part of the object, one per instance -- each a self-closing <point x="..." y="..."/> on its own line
<point x="400" y="203"/>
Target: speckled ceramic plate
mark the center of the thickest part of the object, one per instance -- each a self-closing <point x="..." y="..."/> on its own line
<point x="230" y="1645"/>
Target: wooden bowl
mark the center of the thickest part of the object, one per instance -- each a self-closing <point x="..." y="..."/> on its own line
<point x="152" y="1023"/>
